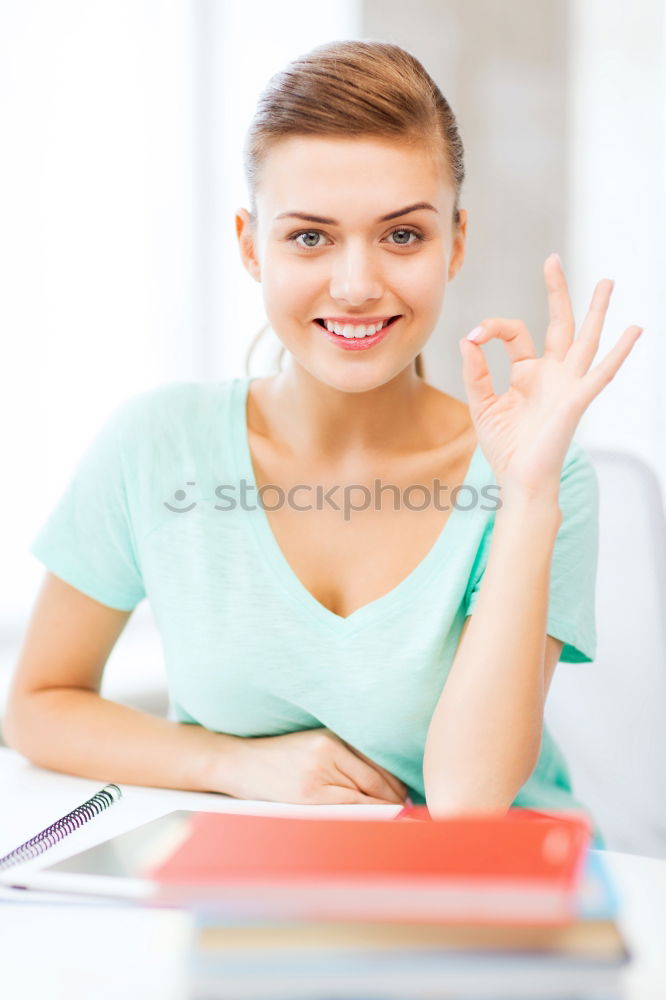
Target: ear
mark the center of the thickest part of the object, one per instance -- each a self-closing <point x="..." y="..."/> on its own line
<point x="458" y="252"/>
<point x="247" y="245"/>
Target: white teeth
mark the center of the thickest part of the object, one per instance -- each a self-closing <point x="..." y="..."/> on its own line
<point x="350" y="330"/>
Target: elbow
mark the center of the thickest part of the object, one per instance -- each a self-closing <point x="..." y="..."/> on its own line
<point x="491" y="794"/>
<point x="449" y="805"/>
<point x="15" y="726"/>
<point x="8" y="727"/>
<point x="11" y="733"/>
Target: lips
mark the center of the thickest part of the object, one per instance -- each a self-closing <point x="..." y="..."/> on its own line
<point x="359" y="321"/>
<point x="358" y="343"/>
<point x="356" y="320"/>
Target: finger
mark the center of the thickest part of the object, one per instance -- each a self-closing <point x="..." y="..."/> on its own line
<point x="391" y="778"/>
<point x="586" y="345"/>
<point x="399" y="787"/>
<point x="343" y="795"/>
<point x="343" y="789"/>
<point x="476" y="375"/>
<point x="561" y="328"/>
<point x="513" y="332"/>
<point x="599" y="376"/>
<point x="394" y="782"/>
<point x="371" y="782"/>
<point x="476" y="379"/>
<point x="366" y="778"/>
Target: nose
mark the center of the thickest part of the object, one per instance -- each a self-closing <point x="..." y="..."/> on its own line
<point x="356" y="276"/>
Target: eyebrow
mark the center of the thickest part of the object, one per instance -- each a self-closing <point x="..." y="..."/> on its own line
<point x="333" y="222"/>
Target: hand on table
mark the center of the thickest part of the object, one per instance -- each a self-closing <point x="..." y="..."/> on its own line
<point x="313" y="766"/>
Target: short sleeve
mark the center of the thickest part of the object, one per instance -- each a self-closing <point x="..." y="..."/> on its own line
<point x="88" y="539"/>
<point x="571" y="602"/>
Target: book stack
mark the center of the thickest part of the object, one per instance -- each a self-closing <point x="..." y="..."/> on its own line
<point x="485" y="907"/>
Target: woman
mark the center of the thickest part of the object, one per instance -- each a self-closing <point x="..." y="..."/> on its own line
<point x="317" y="623"/>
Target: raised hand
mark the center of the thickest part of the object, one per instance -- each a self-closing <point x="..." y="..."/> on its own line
<point x="525" y="433"/>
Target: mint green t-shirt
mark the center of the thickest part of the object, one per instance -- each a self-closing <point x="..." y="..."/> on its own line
<point x="163" y="505"/>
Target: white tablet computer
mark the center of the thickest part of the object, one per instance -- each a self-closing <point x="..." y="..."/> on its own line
<point x="114" y="868"/>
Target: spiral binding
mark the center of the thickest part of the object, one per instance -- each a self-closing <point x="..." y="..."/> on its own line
<point x="62" y="827"/>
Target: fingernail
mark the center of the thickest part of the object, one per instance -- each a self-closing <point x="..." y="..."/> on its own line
<point x="475" y="333"/>
<point x="557" y="258"/>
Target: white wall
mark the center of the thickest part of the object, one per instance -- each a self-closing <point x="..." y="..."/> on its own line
<point x="97" y="242"/>
<point x="616" y="208"/>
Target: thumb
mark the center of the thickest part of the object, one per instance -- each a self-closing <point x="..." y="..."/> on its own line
<point x="476" y="377"/>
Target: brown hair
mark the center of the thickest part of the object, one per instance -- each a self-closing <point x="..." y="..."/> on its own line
<point x="344" y="88"/>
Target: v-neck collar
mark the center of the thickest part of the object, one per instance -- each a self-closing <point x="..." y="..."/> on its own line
<point x="275" y="559"/>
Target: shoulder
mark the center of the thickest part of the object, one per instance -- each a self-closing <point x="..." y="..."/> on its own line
<point x="177" y="404"/>
<point x="182" y="395"/>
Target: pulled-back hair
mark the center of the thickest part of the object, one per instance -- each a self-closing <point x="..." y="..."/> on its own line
<point x="353" y="88"/>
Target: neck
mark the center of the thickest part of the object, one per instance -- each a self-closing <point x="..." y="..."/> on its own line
<point x="315" y="420"/>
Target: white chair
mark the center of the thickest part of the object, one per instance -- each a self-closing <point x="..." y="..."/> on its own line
<point x="608" y="716"/>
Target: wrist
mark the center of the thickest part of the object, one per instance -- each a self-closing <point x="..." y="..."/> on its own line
<point x="517" y="502"/>
<point x="216" y="761"/>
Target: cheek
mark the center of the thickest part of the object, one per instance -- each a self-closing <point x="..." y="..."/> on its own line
<point x="286" y="279"/>
<point x="422" y="285"/>
<point x="288" y="294"/>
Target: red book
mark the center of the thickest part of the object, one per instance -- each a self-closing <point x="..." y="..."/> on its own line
<point x="522" y="867"/>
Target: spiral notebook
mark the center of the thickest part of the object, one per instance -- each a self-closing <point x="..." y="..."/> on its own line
<point x="55" y="832"/>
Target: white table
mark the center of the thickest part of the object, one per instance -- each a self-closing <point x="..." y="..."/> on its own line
<point x="77" y="951"/>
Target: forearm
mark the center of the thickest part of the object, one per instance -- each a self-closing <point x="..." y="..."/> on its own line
<point x="79" y="732"/>
<point x="485" y="734"/>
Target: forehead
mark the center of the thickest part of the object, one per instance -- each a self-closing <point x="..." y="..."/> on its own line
<point x="349" y="176"/>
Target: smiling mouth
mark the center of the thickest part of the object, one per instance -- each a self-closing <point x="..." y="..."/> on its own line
<point x="388" y="323"/>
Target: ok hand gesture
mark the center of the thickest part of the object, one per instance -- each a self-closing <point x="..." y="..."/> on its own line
<point x="526" y="432"/>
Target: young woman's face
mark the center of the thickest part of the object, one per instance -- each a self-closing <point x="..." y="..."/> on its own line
<point x="366" y="254"/>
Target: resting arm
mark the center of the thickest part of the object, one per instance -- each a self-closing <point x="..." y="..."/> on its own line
<point x="485" y="734"/>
